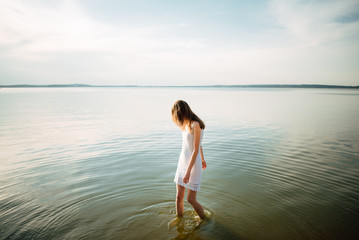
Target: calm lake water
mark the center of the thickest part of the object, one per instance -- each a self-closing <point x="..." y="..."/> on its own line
<point x="99" y="163"/>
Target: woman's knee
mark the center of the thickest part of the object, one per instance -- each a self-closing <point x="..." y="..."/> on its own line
<point x="191" y="200"/>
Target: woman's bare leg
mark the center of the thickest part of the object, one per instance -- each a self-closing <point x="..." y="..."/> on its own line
<point x="179" y="200"/>
<point x="191" y="198"/>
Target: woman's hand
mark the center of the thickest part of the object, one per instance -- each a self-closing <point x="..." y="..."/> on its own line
<point x="186" y="177"/>
<point x="204" y="164"/>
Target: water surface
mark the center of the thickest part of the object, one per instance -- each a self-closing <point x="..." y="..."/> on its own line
<point x="99" y="163"/>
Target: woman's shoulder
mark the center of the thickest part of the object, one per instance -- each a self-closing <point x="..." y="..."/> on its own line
<point x="194" y="123"/>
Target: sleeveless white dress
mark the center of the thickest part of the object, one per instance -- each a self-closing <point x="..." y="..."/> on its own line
<point x="194" y="182"/>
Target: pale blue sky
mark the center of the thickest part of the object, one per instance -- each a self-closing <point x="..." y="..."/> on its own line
<point x="179" y="42"/>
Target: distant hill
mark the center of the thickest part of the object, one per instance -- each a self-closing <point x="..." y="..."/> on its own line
<point x="195" y="86"/>
<point x="50" y="85"/>
<point x="60" y="85"/>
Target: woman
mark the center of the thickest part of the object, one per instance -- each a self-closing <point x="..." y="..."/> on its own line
<point x="191" y="161"/>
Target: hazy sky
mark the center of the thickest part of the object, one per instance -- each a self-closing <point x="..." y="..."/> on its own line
<point x="179" y="42"/>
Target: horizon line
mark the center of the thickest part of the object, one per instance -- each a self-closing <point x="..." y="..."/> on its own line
<point x="213" y="85"/>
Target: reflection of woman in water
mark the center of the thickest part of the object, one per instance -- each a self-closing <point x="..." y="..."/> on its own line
<point x="191" y="161"/>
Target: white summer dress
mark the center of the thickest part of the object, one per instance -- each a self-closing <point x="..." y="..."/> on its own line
<point x="194" y="182"/>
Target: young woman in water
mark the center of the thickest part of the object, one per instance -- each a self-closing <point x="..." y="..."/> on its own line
<point x="191" y="161"/>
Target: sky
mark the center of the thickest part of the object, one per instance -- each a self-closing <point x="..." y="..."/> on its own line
<point x="205" y="42"/>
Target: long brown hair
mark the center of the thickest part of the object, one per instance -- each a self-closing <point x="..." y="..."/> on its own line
<point x="183" y="116"/>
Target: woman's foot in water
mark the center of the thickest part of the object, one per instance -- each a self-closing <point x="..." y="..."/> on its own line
<point x="174" y="222"/>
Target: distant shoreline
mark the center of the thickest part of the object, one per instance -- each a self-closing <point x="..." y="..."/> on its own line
<point x="193" y="86"/>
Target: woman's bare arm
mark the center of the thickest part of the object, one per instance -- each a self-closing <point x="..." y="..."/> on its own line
<point x="202" y="156"/>
<point x="204" y="164"/>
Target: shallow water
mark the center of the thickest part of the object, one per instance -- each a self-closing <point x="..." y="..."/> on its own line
<point x="98" y="163"/>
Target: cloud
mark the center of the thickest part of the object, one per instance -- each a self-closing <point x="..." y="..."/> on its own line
<point x="32" y="22"/>
<point x="192" y="44"/>
<point x="29" y="31"/>
<point x="318" y="22"/>
<point x="66" y="41"/>
<point x="183" y="25"/>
